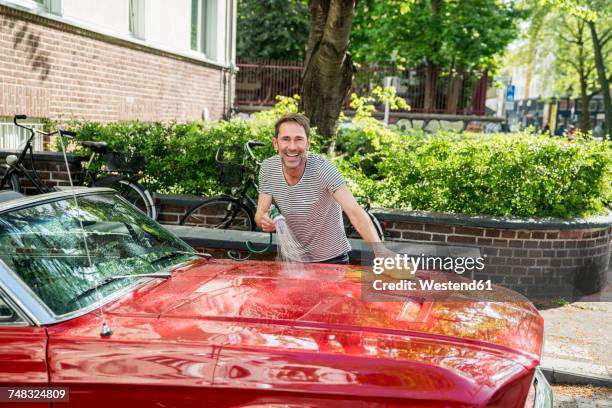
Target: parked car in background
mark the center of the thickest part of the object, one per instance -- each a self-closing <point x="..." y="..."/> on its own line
<point x="97" y="297"/>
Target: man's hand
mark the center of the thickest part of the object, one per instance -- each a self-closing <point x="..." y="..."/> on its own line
<point x="267" y="225"/>
<point x="262" y="216"/>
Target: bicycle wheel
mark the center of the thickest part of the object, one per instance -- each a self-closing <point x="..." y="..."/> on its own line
<point x="132" y="191"/>
<point x="377" y="226"/>
<point x="350" y="231"/>
<point x="12" y="183"/>
<point x="221" y="213"/>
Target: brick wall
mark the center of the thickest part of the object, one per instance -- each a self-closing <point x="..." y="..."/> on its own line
<point x="51" y="169"/>
<point x="542" y="259"/>
<point x="53" y="70"/>
<point x="538" y="260"/>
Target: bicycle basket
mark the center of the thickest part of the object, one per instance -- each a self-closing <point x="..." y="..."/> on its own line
<point x="124" y="162"/>
<point x="231" y="174"/>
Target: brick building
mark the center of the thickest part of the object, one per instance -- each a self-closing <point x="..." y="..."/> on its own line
<point x="115" y="60"/>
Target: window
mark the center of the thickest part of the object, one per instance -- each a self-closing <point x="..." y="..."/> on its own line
<point x="14" y="138"/>
<point x="204" y="19"/>
<point x="68" y="254"/>
<point x="52" y="6"/>
<point x="137" y="18"/>
<point x="8" y="316"/>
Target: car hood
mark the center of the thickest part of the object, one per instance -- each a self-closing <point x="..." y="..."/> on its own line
<point x="329" y="297"/>
<point x="288" y="325"/>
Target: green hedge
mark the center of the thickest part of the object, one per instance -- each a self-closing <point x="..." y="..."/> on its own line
<point x="500" y="175"/>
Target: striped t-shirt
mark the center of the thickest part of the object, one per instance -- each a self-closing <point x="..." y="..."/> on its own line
<point x="312" y="214"/>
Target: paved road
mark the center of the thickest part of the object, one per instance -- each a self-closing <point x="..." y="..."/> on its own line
<point x="577" y="335"/>
<point x="582" y="397"/>
<point x="577" y="338"/>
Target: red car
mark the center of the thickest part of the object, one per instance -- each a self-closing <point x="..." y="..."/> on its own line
<point x="99" y="299"/>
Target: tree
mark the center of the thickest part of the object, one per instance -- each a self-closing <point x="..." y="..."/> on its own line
<point x="574" y="61"/>
<point x="272" y="29"/>
<point x="598" y="15"/>
<point x="328" y="68"/>
<point x="456" y="36"/>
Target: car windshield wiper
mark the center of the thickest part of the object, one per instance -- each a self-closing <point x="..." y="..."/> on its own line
<point x="173" y="254"/>
<point x="116" y="277"/>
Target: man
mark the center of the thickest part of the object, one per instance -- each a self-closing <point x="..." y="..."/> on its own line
<point x="311" y="194"/>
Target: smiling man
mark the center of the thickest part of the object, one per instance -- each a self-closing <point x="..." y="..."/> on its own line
<point x="311" y="193"/>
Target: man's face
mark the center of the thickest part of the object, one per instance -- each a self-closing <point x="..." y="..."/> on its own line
<point x="291" y="144"/>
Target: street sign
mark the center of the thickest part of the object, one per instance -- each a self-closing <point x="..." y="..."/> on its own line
<point x="510" y="93"/>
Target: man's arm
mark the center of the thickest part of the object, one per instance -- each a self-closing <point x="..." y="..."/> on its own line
<point x="359" y="218"/>
<point x="362" y="223"/>
<point x="262" y="219"/>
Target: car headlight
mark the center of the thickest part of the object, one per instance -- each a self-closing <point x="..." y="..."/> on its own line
<point x="540" y="392"/>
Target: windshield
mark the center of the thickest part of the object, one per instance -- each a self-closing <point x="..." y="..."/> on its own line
<point x="47" y="248"/>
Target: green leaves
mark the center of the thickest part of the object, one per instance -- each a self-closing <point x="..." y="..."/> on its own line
<point x="467" y="34"/>
<point x="274" y="29"/>
<point x="500" y="175"/>
<point x="503" y="175"/>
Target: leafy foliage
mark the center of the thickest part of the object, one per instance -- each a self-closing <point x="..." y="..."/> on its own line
<point x="504" y="175"/>
<point x="467" y="34"/>
<point x="274" y="29"/>
<point x="499" y="175"/>
<point x="180" y="157"/>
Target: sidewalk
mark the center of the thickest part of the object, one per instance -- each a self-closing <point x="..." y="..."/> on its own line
<point x="577" y="338"/>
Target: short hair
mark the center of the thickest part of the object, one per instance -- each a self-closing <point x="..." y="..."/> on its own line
<point x="298" y="118"/>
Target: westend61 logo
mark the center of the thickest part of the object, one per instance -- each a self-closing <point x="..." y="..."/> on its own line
<point x="458" y="265"/>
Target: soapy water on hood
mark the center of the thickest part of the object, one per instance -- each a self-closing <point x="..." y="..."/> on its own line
<point x="294" y="259"/>
<point x="290" y="252"/>
<point x="289" y="249"/>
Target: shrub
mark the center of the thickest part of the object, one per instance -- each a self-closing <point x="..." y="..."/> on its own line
<point x="498" y="175"/>
<point x="180" y="157"/>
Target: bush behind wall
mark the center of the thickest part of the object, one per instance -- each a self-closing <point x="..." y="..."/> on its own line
<point x="500" y="175"/>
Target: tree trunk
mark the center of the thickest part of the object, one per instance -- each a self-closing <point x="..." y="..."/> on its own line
<point x="453" y="92"/>
<point x="603" y="81"/>
<point x="328" y="69"/>
<point x="429" y="102"/>
<point x="585" y="117"/>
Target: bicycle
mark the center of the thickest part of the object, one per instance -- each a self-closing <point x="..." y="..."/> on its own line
<point x="351" y="232"/>
<point x="237" y="210"/>
<point x="121" y="170"/>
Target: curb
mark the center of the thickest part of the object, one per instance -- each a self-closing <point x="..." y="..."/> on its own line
<point x="565" y="377"/>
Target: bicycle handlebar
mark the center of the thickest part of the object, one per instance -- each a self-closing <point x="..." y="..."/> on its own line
<point x="21" y="117"/>
<point x="247" y="147"/>
<point x="67" y="133"/>
<point x="250" y="144"/>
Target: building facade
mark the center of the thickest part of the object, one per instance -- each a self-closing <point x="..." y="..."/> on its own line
<point x="112" y="60"/>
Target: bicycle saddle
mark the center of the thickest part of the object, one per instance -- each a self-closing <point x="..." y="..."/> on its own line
<point x="98" y="147"/>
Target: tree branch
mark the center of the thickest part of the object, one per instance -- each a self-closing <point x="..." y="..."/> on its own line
<point x="568" y="27"/>
<point x="605" y="38"/>
<point x="571" y="63"/>
<point x="568" y="40"/>
<point x="592" y="94"/>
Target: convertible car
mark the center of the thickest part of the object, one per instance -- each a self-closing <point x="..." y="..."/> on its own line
<point x="100" y="300"/>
